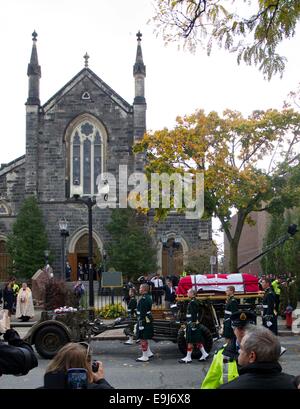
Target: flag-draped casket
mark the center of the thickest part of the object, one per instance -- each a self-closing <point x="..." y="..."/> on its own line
<point x="243" y="283"/>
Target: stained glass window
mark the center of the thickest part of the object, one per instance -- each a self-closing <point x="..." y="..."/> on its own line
<point x="76" y="159"/>
<point x="87" y="167"/>
<point x="97" y="158"/>
<point x="86" y="157"/>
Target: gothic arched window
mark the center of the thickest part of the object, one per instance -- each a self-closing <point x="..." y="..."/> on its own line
<point x="4" y="210"/>
<point x="86" y="151"/>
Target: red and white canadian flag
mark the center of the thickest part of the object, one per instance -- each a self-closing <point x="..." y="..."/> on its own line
<point x="243" y="283"/>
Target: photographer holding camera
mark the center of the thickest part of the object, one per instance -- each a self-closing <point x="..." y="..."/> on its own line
<point x="73" y="365"/>
<point x="16" y="356"/>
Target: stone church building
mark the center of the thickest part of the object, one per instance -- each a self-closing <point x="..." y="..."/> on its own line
<point x="84" y="129"/>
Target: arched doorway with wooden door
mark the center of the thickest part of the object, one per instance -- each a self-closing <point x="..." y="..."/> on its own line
<point x="171" y="259"/>
<point x="78" y="251"/>
<point x="4" y="260"/>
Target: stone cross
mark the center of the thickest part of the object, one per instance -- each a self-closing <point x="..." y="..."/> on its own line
<point x="86" y="57"/>
<point x="34" y="36"/>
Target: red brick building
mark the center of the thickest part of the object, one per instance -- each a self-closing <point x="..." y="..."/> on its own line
<point x="251" y="242"/>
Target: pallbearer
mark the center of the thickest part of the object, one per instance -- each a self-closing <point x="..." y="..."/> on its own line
<point x="231" y="307"/>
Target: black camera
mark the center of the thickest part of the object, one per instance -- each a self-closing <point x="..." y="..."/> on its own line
<point x="95" y="366"/>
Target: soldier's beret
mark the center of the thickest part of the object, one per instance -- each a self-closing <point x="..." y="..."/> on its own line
<point x="242" y="318"/>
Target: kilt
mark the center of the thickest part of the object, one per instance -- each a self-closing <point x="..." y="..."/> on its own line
<point x="194" y="334"/>
<point x="146" y="333"/>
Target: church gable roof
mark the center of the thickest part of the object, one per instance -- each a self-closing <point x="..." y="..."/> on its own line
<point x="86" y="72"/>
<point x="7" y="167"/>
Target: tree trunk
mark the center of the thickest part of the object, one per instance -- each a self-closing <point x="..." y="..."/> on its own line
<point x="233" y="257"/>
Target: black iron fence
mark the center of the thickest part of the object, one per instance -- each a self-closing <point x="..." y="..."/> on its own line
<point x="112" y="302"/>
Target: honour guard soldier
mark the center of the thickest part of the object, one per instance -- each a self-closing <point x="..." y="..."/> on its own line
<point x="224" y="367"/>
<point x="193" y="330"/>
<point x="269" y="306"/>
<point x="144" y="323"/>
<point x="231" y="307"/>
<point x="131" y="313"/>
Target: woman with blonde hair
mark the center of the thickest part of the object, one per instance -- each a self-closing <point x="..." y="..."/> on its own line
<point x="75" y="355"/>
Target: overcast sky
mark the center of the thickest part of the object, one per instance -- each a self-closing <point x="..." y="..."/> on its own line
<point x="177" y="82"/>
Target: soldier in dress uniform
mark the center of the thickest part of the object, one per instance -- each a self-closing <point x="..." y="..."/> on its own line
<point x="131" y="314"/>
<point x="144" y="323"/>
<point x="193" y="330"/>
<point x="231" y="307"/>
<point x="269" y="306"/>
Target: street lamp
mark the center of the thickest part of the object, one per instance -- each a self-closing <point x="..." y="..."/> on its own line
<point x="170" y="248"/>
<point x="63" y="227"/>
<point x="89" y="202"/>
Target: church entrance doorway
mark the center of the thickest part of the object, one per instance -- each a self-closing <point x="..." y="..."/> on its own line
<point x="79" y="259"/>
<point x="172" y="259"/>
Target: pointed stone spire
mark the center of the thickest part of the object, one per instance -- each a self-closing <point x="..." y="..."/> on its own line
<point x="139" y="66"/>
<point x="139" y="103"/>
<point x="34" y="74"/>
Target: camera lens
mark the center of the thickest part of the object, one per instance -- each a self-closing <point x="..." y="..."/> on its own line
<point x="95" y="366"/>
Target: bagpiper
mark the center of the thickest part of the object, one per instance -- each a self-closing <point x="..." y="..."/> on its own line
<point x="144" y="323"/>
<point x="131" y="315"/>
<point x="193" y="330"/>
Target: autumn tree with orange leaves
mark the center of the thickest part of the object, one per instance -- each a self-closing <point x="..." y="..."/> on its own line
<point x="249" y="164"/>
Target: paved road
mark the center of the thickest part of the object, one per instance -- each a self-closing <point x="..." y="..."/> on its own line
<point x="163" y="372"/>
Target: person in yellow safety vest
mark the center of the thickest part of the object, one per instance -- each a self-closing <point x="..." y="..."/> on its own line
<point x="276" y="286"/>
<point x="15" y="287"/>
<point x="183" y="274"/>
<point x="224" y="367"/>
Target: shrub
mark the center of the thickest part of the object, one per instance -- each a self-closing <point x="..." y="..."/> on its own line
<point x="57" y="295"/>
<point x="111" y="311"/>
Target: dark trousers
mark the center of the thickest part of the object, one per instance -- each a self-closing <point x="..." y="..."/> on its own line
<point x="277" y="302"/>
<point x="273" y="327"/>
<point x="156" y="294"/>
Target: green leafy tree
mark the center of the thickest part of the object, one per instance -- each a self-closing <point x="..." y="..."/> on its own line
<point x="28" y="240"/>
<point x="249" y="164"/>
<point x="284" y="258"/>
<point x="273" y="262"/>
<point x="252" y="29"/>
<point x="131" y="249"/>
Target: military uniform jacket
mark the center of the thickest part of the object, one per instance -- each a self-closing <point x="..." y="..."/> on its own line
<point x="131" y="307"/>
<point x="193" y="330"/>
<point x="268" y="303"/>
<point x="144" y="318"/>
<point x="230" y="307"/>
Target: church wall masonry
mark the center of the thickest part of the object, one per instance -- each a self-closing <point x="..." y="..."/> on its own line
<point x="45" y="169"/>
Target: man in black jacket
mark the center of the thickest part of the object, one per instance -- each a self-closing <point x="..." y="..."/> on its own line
<point x="258" y="358"/>
<point x="16" y="356"/>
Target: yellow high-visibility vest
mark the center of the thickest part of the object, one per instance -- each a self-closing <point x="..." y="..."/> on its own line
<point x="221" y="371"/>
<point x="276" y="287"/>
